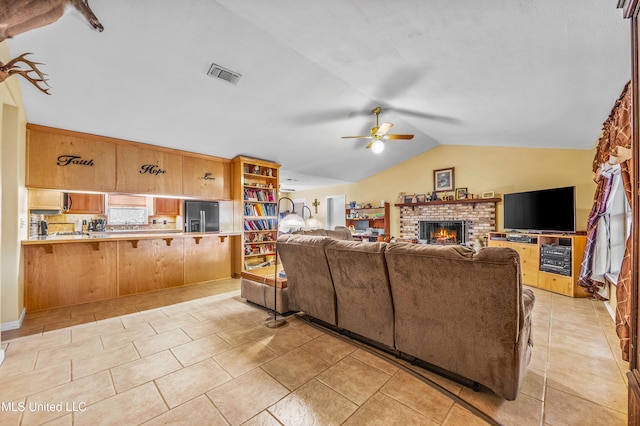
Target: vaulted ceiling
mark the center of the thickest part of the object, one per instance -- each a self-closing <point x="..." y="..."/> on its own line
<point x="531" y="73"/>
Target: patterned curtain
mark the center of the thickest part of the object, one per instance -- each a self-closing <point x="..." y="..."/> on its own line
<point x="599" y="209"/>
<point x="623" y="291"/>
<point x="616" y="133"/>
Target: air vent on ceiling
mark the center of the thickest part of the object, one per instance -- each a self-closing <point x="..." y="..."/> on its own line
<point x="224" y="74"/>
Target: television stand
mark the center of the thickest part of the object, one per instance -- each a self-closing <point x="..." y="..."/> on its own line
<point x="541" y="265"/>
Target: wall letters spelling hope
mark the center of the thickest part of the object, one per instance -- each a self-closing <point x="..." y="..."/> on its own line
<point x="152" y="169"/>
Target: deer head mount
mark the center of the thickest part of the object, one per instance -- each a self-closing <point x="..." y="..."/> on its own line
<point x="19" y="16"/>
<point x="13" y="68"/>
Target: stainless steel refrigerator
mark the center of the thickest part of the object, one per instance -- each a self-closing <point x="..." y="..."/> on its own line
<point x="201" y="216"/>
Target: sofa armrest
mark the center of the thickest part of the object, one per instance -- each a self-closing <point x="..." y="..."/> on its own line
<point x="528" y="302"/>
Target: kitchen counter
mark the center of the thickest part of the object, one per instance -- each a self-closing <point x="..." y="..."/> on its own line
<point x="123" y="236"/>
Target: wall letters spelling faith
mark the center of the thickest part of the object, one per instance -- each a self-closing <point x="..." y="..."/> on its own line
<point x="65" y="160"/>
<point x="152" y="169"/>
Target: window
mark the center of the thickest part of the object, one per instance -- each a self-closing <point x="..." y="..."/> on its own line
<point x="618" y="220"/>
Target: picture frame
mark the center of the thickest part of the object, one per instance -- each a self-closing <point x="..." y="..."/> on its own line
<point x="461" y="193"/>
<point x="421" y="198"/>
<point x="408" y="199"/>
<point x="488" y="194"/>
<point x="443" y="180"/>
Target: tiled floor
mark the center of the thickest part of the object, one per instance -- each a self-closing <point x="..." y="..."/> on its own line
<point x="200" y="355"/>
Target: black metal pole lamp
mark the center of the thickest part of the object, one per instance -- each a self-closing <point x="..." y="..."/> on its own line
<point x="292" y="220"/>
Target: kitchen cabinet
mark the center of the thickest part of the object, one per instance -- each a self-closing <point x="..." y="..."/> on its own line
<point x="206" y="259"/>
<point x="206" y="177"/>
<point x="40" y="199"/>
<point x="149" y="171"/>
<point x="166" y="206"/>
<point x="59" y="159"/>
<point x="81" y="203"/>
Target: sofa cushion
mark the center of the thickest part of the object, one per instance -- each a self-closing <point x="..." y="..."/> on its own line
<point x="360" y="278"/>
<point x="340" y="233"/>
<point x="308" y="276"/>
<point x="461" y="310"/>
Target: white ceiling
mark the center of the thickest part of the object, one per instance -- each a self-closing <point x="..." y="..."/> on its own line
<point x="533" y="73"/>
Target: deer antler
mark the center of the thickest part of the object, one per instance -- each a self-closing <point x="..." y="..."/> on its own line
<point x="10" y="68"/>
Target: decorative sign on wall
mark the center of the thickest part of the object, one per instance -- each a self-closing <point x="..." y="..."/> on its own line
<point x="152" y="169"/>
<point x="208" y="176"/>
<point x="65" y="160"/>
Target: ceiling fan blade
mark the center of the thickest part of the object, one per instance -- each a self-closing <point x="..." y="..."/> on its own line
<point x="384" y="128"/>
<point x="369" y="145"/>
<point x="398" y="137"/>
<point x="357" y="137"/>
<point x="420" y="114"/>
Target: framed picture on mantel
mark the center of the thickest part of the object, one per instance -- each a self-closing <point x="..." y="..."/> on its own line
<point x="443" y="180"/>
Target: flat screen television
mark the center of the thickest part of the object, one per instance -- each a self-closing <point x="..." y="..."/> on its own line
<point x="547" y="210"/>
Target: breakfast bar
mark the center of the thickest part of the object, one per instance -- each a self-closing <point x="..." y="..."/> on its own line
<point x="70" y="270"/>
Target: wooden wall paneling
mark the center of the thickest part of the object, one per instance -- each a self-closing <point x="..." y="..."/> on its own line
<point x="149" y="171"/>
<point x="59" y="275"/>
<point x="206" y="178"/>
<point x="206" y="259"/>
<point x="146" y="265"/>
<point x="65" y="161"/>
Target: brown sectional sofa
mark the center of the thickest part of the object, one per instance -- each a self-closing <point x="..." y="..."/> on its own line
<point x="452" y="307"/>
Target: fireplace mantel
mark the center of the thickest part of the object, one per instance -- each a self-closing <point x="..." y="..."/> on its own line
<point x="465" y="201"/>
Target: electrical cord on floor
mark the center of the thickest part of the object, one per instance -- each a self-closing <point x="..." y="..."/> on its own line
<point x="490" y="420"/>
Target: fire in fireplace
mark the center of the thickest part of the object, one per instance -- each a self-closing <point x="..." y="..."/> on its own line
<point x="442" y="231"/>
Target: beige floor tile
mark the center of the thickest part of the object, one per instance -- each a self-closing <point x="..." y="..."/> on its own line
<point x="598" y="365"/>
<point x="89" y="362"/>
<point x="263" y="419"/>
<point x="244" y="397"/>
<point x="176" y="321"/>
<point x="381" y="410"/>
<point x="524" y="411"/>
<point x="129" y="408"/>
<point x="72" y="396"/>
<point x="239" y="360"/>
<point x="417" y="395"/>
<point x="533" y="383"/>
<point x="62" y="421"/>
<point x="126" y="336"/>
<point x="13" y="411"/>
<point x="445" y="383"/>
<point x="95" y="329"/>
<point x="461" y="416"/>
<point x="295" y="368"/>
<point x="116" y="312"/>
<point x="38" y="342"/>
<point x="66" y="352"/>
<point x="565" y="409"/>
<point x="313" y="404"/>
<point x="143" y="370"/>
<point x="329" y="348"/>
<point x="17" y="364"/>
<point x="282" y="341"/>
<point x="354" y="379"/>
<point x="198" y="411"/>
<point x="205" y="327"/>
<point x="240" y="334"/>
<point x="200" y="349"/>
<point x="160" y="342"/>
<point x="191" y="382"/>
<point x="140" y="318"/>
<point x="31" y="382"/>
<point x="57" y="325"/>
<point x="609" y="393"/>
<point x="375" y="361"/>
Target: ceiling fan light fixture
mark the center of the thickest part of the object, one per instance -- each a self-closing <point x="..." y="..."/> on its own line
<point x="377" y="146"/>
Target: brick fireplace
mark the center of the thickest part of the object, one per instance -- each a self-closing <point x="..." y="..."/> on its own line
<point x="479" y="216"/>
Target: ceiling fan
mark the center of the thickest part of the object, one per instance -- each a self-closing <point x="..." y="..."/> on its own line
<point x="378" y="134"/>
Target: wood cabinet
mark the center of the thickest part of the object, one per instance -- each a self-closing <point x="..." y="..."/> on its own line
<point x="40" y="199"/>
<point x="81" y="203"/>
<point x="258" y="183"/>
<point x="375" y="217"/>
<point x="206" y="259"/>
<point x="562" y="264"/>
<point x="148" y="171"/>
<point x="206" y="178"/>
<point x="166" y="206"/>
<point x="67" y="160"/>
